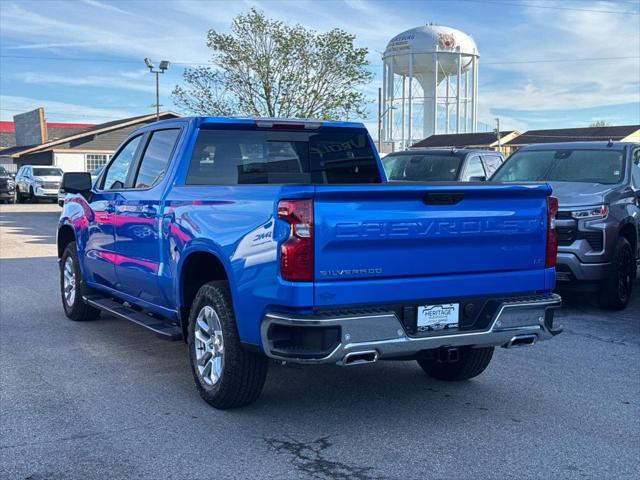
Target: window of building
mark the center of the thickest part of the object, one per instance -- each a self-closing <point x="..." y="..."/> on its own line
<point x="93" y="161"/>
<point x="156" y="158"/>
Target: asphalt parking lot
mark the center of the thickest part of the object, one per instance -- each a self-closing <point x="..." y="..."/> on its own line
<point x="106" y="399"/>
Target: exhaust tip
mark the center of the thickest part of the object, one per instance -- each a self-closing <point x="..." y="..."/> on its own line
<point x="522" y="341"/>
<point x="360" y="358"/>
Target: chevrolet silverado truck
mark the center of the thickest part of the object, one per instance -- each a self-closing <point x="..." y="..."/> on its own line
<point x="253" y="239"/>
<point x="598" y="223"/>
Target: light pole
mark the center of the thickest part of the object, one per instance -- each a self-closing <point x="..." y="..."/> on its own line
<point x="164" y="64"/>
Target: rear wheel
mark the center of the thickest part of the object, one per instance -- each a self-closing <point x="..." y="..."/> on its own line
<point x="72" y="287"/>
<point x="226" y="375"/>
<point x="471" y="363"/>
<point x="619" y="284"/>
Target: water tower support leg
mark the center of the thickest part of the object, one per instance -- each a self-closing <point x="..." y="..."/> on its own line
<point x="446" y="114"/>
<point x="410" y="119"/>
<point x="403" y="142"/>
<point x="466" y="101"/>
<point x="458" y="91"/>
<point x="435" y="93"/>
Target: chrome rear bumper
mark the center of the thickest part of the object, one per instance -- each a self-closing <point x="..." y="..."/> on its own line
<point x="517" y="322"/>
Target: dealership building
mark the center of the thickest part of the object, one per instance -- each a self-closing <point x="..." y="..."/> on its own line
<point x="83" y="150"/>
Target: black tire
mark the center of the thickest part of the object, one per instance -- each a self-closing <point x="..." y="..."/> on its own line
<point x="243" y="372"/>
<point x="32" y="196"/>
<point x="618" y="286"/>
<point x="19" y="197"/>
<point x="471" y="363"/>
<point x="75" y="310"/>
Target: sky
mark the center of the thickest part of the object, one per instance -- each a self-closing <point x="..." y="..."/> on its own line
<point x="543" y="63"/>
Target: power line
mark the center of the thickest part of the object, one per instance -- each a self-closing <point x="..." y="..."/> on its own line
<point x="513" y="62"/>
<point x="93" y="60"/>
<point x="65" y="113"/>
<point x="562" y="60"/>
<point x="550" y="7"/>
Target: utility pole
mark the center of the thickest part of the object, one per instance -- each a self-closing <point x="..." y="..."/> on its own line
<point x="164" y="65"/>
<point x="498" y="133"/>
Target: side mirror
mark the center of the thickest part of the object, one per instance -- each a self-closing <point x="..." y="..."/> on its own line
<point x="479" y="178"/>
<point x="76" y="182"/>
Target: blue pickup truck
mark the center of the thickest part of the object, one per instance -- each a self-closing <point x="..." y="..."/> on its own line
<point x="253" y="239"/>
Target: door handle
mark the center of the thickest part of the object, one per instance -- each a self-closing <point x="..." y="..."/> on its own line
<point x="149" y="211"/>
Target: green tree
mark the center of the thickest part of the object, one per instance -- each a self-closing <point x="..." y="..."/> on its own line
<point x="267" y="68"/>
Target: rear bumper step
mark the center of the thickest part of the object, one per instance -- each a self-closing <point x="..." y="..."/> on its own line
<point x="366" y="338"/>
<point x="164" y="330"/>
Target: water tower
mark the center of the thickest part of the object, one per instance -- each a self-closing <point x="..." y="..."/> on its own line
<point x="430" y="85"/>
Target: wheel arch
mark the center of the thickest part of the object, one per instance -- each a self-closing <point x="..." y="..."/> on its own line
<point x="65" y="236"/>
<point x="197" y="268"/>
<point x="628" y="231"/>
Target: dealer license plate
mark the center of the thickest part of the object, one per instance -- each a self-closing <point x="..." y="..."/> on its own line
<point x="438" y="317"/>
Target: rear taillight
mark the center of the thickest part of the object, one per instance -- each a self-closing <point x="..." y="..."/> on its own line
<point x="552" y="234"/>
<point x="296" y="253"/>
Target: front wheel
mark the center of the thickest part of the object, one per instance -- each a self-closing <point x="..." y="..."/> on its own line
<point x="72" y="287"/>
<point x="619" y="283"/>
<point x="19" y="197"/>
<point x="226" y="374"/>
<point x="471" y="363"/>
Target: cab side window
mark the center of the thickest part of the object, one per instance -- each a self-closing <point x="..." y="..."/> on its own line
<point x="155" y="159"/>
<point x="118" y="170"/>
<point x="474" y="169"/>
<point x="635" y="169"/>
<point x="491" y="164"/>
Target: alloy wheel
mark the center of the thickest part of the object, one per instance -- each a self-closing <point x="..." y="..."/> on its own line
<point x="625" y="274"/>
<point x="69" y="282"/>
<point x="209" y="346"/>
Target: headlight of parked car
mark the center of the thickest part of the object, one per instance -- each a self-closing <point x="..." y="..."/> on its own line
<point x="600" y="211"/>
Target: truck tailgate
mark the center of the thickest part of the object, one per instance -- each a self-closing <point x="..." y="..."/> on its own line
<point x="397" y="234"/>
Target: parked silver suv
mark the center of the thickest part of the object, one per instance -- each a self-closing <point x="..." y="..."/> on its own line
<point x="35" y="182"/>
<point x="598" y="189"/>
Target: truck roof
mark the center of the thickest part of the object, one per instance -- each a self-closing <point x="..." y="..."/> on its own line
<point x="266" y="122"/>
<point x="603" y="145"/>
<point x="443" y="151"/>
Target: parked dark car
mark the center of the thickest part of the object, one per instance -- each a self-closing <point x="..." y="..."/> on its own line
<point x="7" y="186"/>
<point x="598" y="189"/>
<point x="442" y="164"/>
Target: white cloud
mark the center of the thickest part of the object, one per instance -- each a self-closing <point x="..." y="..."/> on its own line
<point x="176" y="30"/>
<point x="61" y="111"/>
<point x="118" y="81"/>
<point x="566" y="85"/>
<point x="104" y="6"/>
